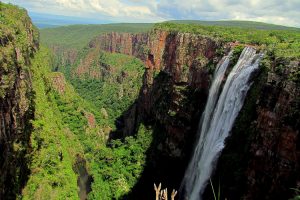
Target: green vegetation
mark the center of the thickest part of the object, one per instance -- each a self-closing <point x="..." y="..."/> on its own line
<point x="75" y="122"/>
<point x="116" y="89"/>
<point x="62" y="133"/>
<point x="14" y="24"/>
<point x="53" y="146"/>
<point x="78" y="36"/>
<point x="108" y="84"/>
<point x="18" y="39"/>
<point x="238" y="23"/>
<point x="14" y="37"/>
<point x="282" y="43"/>
<point x="297" y="191"/>
<point x="117" y="169"/>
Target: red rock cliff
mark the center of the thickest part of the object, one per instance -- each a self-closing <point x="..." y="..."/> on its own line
<point x="181" y="59"/>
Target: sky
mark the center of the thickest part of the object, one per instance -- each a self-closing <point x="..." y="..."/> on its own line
<point x="283" y="12"/>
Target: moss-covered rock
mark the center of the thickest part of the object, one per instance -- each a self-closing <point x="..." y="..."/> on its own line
<point x="18" y="44"/>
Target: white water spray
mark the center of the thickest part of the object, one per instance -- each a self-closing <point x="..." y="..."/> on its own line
<point x="218" y="118"/>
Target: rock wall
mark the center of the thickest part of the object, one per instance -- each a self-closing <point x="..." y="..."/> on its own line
<point x="175" y="84"/>
<point x="273" y="167"/>
<point x="261" y="158"/>
<point x="18" y="42"/>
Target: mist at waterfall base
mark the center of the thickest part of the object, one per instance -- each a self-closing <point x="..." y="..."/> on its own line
<point x="221" y="110"/>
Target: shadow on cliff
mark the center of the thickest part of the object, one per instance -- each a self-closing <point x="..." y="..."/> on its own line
<point x="14" y="162"/>
<point x="162" y="166"/>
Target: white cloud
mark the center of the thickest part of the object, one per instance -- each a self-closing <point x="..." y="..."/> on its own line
<point x="272" y="11"/>
<point x="285" y="12"/>
<point x="116" y="10"/>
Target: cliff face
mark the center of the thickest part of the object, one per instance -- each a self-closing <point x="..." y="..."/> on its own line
<point x="175" y="83"/>
<point x="275" y="145"/>
<point x="262" y="156"/>
<point x="18" y="42"/>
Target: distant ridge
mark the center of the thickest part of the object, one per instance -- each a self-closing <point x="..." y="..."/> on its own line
<point x="237" y="23"/>
<point x="42" y="20"/>
<point x="64" y="35"/>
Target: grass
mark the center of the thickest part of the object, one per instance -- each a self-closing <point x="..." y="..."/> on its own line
<point x="214" y="193"/>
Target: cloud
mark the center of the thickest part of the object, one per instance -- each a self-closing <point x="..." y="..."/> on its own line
<point x="271" y="11"/>
<point x="113" y="10"/>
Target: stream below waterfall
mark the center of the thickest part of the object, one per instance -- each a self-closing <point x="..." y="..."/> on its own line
<point x="84" y="180"/>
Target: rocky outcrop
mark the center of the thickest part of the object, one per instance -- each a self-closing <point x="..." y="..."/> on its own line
<point x="90" y="119"/>
<point x="17" y="46"/>
<point x="273" y="166"/>
<point x="63" y="56"/>
<point x="58" y="82"/>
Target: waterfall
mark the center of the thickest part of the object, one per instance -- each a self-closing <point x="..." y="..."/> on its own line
<point x="218" y="118"/>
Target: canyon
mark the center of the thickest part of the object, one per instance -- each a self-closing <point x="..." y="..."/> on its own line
<point x="260" y="158"/>
<point x="265" y="131"/>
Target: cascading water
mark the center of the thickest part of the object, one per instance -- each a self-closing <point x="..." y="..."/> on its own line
<point x="217" y="120"/>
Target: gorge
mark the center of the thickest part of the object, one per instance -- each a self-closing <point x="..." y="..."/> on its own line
<point x="179" y="51"/>
<point x="123" y="111"/>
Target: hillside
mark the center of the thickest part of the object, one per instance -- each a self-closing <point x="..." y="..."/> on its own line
<point x="43" y="20"/>
<point x="68" y="141"/>
<point x="18" y="43"/>
<point x="237" y="23"/>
